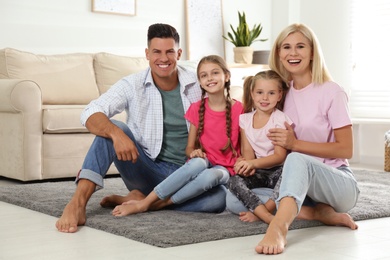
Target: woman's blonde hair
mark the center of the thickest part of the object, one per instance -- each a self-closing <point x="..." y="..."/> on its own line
<point x="250" y="82"/>
<point x="319" y="71"/>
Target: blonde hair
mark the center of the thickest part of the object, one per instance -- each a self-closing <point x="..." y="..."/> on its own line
<point x="249" y="85"/>
<point x="319" y="71"/>
<point x="222" y="64"/>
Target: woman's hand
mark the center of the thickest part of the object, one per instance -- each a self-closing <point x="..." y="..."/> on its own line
<point x="283" y="137"/>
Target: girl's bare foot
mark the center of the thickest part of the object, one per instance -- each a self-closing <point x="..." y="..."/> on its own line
<point x="274" y="239"/>
<point x="115" y="200"/>
<point x="72" y="216"/>
<point x="248" y="217"/>
<point x="327" y="215"/>
<point x="263" y="214"/>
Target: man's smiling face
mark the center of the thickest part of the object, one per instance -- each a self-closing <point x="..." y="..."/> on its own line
<point x="163" y="54"/>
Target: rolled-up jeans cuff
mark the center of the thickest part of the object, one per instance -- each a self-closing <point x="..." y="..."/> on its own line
<point x="91" y="176"/>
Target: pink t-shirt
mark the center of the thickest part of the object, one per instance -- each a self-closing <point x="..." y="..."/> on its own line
<point x="214" y="136"/>
<point x="316" y="110"/>
<point x="257" y="138"/>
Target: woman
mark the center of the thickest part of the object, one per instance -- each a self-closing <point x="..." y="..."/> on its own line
<point x="321" y="141"/>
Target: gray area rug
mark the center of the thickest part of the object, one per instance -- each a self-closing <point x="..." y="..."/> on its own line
<point x="168" y="228"/>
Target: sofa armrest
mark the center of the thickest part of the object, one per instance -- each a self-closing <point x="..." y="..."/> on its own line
<point x="18" y="95"/>
<point x="20" y="129"/>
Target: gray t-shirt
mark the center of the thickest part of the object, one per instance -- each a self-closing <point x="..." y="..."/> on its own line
<point x="175" y="128"/>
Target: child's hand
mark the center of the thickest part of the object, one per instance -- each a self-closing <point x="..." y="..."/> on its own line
<point x="244" y="168"/>
<point x="239" y="159"/>
<point x="197" y="153"/>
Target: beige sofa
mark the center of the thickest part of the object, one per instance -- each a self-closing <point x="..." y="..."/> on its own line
<point x="41" y="99"/>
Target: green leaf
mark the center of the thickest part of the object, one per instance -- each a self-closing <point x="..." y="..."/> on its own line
<point x="242" y="35"/>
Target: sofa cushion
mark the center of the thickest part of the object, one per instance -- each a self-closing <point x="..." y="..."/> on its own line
<point x="65" y="119"/>
<point x="63" y="79"/>
<point x="109" y="68"/>
<point x="62" y="119"/>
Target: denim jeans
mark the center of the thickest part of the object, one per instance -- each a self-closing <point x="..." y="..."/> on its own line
<point x="192" y="179"/>
<point x="304" y="176"/>
<point x="143" y="175"/>
<point x="234" y="205"/>
<point x="310" y="181"/>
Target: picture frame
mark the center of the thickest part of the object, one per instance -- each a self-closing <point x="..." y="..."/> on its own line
<point x="204" y="26"/>
<point x="119" y="7"/>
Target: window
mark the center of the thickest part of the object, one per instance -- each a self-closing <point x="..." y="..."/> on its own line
<point x="370" y="33"/>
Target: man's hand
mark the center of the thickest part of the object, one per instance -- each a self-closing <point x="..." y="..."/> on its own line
<point x="125" y="148"/>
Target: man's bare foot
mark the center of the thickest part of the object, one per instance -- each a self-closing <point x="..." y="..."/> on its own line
<point x="129" y="208"/>
<point x="248" y="217"/>
<point x="274" y="239"/>
<point x="114" y="200"/>
<point x="72" y="217"/>
<point x="327" y="215"/>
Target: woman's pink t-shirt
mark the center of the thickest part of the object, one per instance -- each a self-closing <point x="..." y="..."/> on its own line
<point x="214" y="136"/>
<point x="316" y="110"/>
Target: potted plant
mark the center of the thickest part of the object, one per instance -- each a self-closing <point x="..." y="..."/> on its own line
<point x="242" y="38"/>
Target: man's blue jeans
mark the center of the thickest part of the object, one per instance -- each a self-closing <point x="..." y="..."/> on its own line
<point x="144" y="174"/>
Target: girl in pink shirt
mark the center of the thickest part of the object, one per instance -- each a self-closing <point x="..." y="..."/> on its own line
<point x="213" y="143"/>
<point x="321" y="141"/>
<point x="261" y="165"/>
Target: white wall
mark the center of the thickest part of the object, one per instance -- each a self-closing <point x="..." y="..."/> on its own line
<point x="62" y="26"/>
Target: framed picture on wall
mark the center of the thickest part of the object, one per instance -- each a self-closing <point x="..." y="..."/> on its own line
<point x="121" y="7"/>
<point x="204" y="28"/>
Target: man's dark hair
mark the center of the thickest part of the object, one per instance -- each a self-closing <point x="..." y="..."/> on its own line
<point x="160" y="30"/>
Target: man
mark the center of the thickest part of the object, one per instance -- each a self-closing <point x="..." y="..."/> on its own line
<point x="151" y="145"/>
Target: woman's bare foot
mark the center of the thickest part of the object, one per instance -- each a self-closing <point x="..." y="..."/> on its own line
<point x="114" y="200"/>
<point x="327" y="215"/>
<point x="248" y="217"/>
<point x="274" y="239"/>
<point x="72" y="216"/>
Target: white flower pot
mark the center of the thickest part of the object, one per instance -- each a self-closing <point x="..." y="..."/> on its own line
<point x="243" y="54"/>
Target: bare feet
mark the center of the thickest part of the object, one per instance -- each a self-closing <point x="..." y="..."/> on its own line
<point x="274" y="240"/>
<point x="248" y="217"/>
<point x="327" y="215"/>
<point x="114" y="200"/>
<point x="129" y="207"/>
<point x="72" y="217"/>
<point x="75" y="212"/>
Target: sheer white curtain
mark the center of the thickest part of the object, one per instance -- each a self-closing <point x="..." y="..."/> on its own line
<point x="370" y="32"/>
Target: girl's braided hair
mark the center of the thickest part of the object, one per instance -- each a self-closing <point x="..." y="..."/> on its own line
<point x="222" y="64"/>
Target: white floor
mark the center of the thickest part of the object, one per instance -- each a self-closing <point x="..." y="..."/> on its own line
<point x="26" y="234"/>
